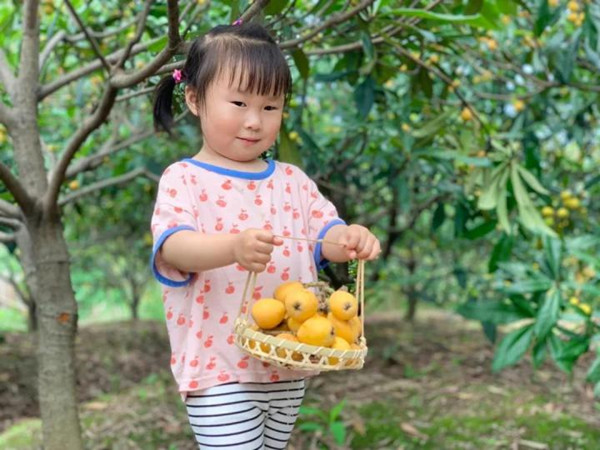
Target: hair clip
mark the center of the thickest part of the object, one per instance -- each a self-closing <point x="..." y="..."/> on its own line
<point x="178" y="76"/>
<point x="237" y="22"/>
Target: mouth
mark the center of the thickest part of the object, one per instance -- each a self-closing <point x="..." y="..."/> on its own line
<point x="250" y="141"/>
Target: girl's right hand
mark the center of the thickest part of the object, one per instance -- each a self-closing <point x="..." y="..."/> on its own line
<point x="253" y="247"/>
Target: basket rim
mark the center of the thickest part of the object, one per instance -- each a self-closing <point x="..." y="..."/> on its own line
<point x="243" y="328"/>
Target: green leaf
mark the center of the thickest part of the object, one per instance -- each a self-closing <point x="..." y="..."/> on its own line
<point x="501" y="207"/>
<point x="565" y="354"/>
<point x="301" y="62"/>
<point x="481" y="230"/>
<point x="311" y="411"/>
<point x="367" y="45"/>
<point x="288" y="150"/>
<point x="529" y="215"/>
<point x="364" y="95"/>
<point x="274" y="7"/>
<point x="527" y="286"/>
<point x="532" y="181"/>
<point x="492" y="311"/>
<point x="310" y="426"/>
<point x="547" y="314"/>
<point x="476" y="20"/>
<point x="433" y="126"/>
<point x="553" y="251"/>
<point x="473" y="7"/>
<point x="593" y="373"/>
<point x="500" y="252"/>
<point x="512" y="348"/>
<point x="157" y="46"/>
<point x="336" y="410"/>
<point x="508" y="7"/>
<point x="439" y="215"/>
<point x="539" y="353"/>
<point x="545" y="17"/>
<point x="489" y="198"/>
<point x="490" y="331"/>
<point x="338" y="430"/>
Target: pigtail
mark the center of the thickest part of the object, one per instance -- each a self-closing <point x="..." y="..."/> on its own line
<point x="163" y="104"/>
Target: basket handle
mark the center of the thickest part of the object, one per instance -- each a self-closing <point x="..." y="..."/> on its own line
<point x="360" y="292"/>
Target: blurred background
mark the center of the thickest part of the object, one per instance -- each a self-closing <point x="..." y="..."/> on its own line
<point x="464" y="133"/>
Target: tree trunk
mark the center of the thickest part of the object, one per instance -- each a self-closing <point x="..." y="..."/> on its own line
<point x="411" y="292"/>
<point x="135" y="298"/>
<point x="23" y="241"/>
<point x="57" y="319"/>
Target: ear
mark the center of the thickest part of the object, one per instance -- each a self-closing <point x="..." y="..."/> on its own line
<point x="190" y="100"/>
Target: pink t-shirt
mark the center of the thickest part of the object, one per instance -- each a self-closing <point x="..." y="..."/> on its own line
<point x="202" y="307"/>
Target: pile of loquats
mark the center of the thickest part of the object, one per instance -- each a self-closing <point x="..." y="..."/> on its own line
<point x="304" y="329"/>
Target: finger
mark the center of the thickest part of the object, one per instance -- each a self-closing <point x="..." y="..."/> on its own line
<point x="352" y="240"/>
<point x="366" y="251"/>
<point x="261" y="258"/>
<point x="363" y="248"/>
<point x="263" y="248"/>
<point x="277" y="241"/>
<point x="265" y="236"/>
<point x="257" y="267"/>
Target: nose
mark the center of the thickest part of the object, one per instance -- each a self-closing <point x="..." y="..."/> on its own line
<point x="252" y="121"/>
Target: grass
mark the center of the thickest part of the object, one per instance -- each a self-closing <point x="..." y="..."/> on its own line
<point x="425" y="386"/>
<point x="393" y="425"/>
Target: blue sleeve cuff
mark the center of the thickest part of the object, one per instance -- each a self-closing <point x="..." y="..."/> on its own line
<point x="319" y="260"/>
<point x="161" y="278"/>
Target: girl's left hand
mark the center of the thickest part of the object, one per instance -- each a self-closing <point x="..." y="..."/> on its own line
<point x="359" y="242"/>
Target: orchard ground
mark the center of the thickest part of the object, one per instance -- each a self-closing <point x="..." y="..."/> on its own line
<point x="424" y="385"/>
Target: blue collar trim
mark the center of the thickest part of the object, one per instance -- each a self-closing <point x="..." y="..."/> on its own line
<point x="235" y="173"/>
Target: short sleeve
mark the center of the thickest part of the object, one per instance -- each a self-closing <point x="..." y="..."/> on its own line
<point x="322" y="215"/>
<point x="173" y="212"/>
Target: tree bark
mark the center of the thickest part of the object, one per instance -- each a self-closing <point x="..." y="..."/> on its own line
<point x="23" y="240"/>
<point x="411" y="292"/>
<point x="57" y="320"/>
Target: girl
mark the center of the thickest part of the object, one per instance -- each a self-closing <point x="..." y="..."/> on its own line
<point x="224" y="212"/>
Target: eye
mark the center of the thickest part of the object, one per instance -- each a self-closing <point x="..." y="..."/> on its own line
<point x="270" y="108"/>
<point x="240" y="104"/>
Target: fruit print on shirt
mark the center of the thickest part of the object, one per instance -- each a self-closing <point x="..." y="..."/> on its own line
<point x="201" y="308"/>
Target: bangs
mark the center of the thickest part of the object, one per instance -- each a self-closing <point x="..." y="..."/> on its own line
<point x="255" y="68"/>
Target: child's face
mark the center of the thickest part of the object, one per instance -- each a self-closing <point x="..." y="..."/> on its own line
<point x="238" y="125"/>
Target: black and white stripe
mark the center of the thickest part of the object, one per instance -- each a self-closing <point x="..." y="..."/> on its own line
<point x="245" y="416"/>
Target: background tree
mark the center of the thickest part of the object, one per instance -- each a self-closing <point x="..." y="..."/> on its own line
<point x="446" y="126"/>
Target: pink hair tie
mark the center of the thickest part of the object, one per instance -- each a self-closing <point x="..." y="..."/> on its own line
<point x="178" y="76"/>
<point x="237" y="22"/>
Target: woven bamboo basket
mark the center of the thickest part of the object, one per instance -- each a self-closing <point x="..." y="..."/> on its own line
<point x="296" y="355"/>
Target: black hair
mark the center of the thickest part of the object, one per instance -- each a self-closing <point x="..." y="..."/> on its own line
<point x="247" y="51"/>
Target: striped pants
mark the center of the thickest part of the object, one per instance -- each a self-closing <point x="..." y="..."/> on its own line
<point x="248" y="416"/>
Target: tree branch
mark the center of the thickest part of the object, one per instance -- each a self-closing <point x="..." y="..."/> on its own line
<point x="55" y="85"/>
<point x="30" y="46"/>
<point x="58" y="174"/>
<point x="6" y="74"/>
<point x="106" y="104"/>
<point x="15" y="187"/>
<point x="9" y="210"/>
<point x="7" y="116"/>
<point x="90" y="38"/>
<point x="94" y="160"/>
<point x="141" y="24"/>
<point x="5" y="238"/>
<point x="123" y="179"/>
<point x="173" y="46"/>
<point x="254" y="9"/>
<point x="53" y="42"/>
<point x="334" y="19"/>
<point x="13" y="223"/>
